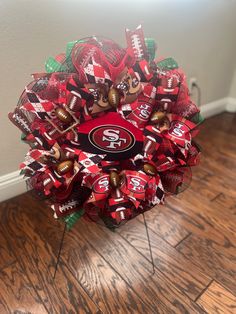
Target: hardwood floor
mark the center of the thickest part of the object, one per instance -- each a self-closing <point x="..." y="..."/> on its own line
<point x="193" y="238"/>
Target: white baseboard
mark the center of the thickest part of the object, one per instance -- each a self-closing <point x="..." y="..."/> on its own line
<point x="12" y="184"/>
<point x="227" y="104"/>
<point x="231" y="105"/>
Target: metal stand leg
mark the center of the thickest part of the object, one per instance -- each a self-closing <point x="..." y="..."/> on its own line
<point x="149" y="244"/>
<point x="59" y="252"/>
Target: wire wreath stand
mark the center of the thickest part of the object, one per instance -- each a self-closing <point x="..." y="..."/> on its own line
<point x="62" y="242"/>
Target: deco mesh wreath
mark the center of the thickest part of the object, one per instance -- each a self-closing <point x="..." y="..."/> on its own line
<point x="110" y="130"/>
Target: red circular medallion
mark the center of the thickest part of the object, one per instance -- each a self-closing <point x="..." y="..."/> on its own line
<point x="111" y="138"/>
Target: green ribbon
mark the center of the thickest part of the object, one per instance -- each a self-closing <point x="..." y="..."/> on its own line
<point x="167" y="64"/>
<point x="151" y="48"/>
<point x="23" y="137"/>
<point x="197" y="118"/>
<point x="71" y="219"/>
<point x="52" y="65"/>
<point x="69" y="47"/>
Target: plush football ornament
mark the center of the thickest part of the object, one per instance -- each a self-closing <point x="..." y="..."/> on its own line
<point x="110" y="130"/>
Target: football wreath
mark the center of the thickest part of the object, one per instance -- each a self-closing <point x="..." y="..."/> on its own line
<point x="110" y="130"/>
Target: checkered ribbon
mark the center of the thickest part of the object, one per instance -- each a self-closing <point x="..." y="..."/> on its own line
<point x="33" y="162"/>
<point x="98" y="62"/>
<point x="89" y="162"/>
<point x="42" y="108"/>
<point x="78" y="117"/>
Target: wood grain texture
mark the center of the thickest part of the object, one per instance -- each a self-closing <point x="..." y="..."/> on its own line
<point x="70" y="292"/>
<point x="218" y="141"/>
<point x="38" y="211"/>
<point x="17" y="294"/>
<point x="212" y="212"/>
<point x="165" y="226"/>
<point x="179" y="270"/>
<point x="36" y="258"/>
<point x="215" y="189"/>
<point x="102" y="283"/>
<point x="212" y="258"/>
<point x="200" y="217"/>
<point x="6" y="255"/>
<point x="160" y="293"/>
<point x="108" y="283"/>
<point x="216" y="299"/>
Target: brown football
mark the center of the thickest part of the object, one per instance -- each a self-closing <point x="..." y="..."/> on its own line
<point x="149" y="169"/>
<point x="113" y="97"/>
<point x="64" y="167"/>
<point x="157" y="116"/>
<point x="63" y="115"/>
<point x="164" y="125"/>
<point x="114" y="179"/>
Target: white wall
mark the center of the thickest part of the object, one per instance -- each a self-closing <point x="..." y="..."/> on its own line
<point x="233" y="86"/>
<point x="200" y="34"/>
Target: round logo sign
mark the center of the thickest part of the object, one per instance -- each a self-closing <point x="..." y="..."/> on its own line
<point x="111" y="138"/>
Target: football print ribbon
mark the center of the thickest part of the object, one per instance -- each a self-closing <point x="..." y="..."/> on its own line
<point x="111" y="130"/>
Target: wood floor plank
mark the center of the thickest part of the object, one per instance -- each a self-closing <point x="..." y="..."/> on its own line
<point x="200" y="172"/>
<point x="219" y="145"/>
<point x="212" y="213"/>
<point x="203" y="171"/>
<point x="38" y="261"/>
<point x="219" y="184"/>
<point x="179" y="270"/>
<point x="202" y="218"/>
<point x="214" y="189"/>
<point x="70" y="292"/>
<point x="101" y="297"/>
<point x="39" y="212"/>
<point x="211" y="259"/>
<point x="219" y="132"/>
<point x="225" y="122"/>
<point x="222" y="199"/>
<point x="216" y="299"/>
<point x="217" y="164"/>
<point x="6" y="255"/>
<point x="108" y="281"/>
<point x="156" y="290"/>
<point x="42" y="229"/>
<point x="221" y="142"/>
<point x="17" y="294"/>
<point x="103" y="284"/>
<point x="164" y="225"/>
<point x="201" y="188"/>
